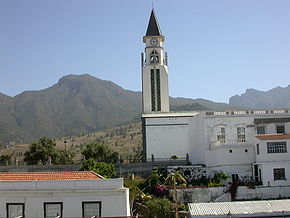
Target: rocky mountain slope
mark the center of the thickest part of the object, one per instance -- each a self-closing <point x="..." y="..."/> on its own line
<point x="76" y="105"/>
<point x="278" y="97"/>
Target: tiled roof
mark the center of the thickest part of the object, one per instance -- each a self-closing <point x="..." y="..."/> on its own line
<point x="273" y="137"/>
<point x="239" y="208"/>
<point x="77" y="175"/>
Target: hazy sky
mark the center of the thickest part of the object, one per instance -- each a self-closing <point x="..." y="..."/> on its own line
<point x="216" y="48"/>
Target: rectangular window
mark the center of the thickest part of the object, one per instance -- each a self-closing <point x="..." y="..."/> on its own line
<point x="241" y="134"/>
<point x="277" y="147"/>
<point x="91" y="209"/>
<point x="152" y="90"/>
<point x="280" y="128"/>
<point x="15" y="210"/>
<point x="158" y="90"/>
<point x="52" y="209"/>
<point x="261" y="130"/>
<point x="221" y="136"/>
<point x="258" y="149"/>
<point x="279" y="174"/>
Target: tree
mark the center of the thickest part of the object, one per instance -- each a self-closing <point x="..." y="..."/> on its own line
<point x="40" y="151"/>
<point x="155" y="179"/>
<point x="104" y="169"/>
<point x="159" y="208"/>
<point x="100" y="153"/>
<point x="134" y="190"/>
<point x="175" y="179"/>
<point x="5" y="160"/>
<point x="63" y="157"/>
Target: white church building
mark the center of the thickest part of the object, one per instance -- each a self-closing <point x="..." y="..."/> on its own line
<point x="246" y="144"/>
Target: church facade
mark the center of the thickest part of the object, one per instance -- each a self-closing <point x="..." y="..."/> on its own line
<point x="246" y="144"/>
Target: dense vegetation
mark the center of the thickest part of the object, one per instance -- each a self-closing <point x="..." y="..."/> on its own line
<point x="150" y="197"/>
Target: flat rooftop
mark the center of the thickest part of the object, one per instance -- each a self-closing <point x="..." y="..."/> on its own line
<point x="245" y="208"/>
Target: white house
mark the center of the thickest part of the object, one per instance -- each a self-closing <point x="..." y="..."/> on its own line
<point x="246" y="144"/>
<point x="64" y="194"/>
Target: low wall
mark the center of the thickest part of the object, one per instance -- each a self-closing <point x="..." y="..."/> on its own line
<point x="269" y="192"/>
<point x="40" y="168"/>
<point x="145" y="169"/>
<point x="195" y="195"/>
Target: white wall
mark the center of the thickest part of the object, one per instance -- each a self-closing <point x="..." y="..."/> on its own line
<point x="197" y="140"/>
<point x="244" y="193"/>
<point x="112" y="194"/>
<point x="167" y="136"/>
<point x="264" y="156"/>
<point x="271" y="128"/>
<point x="218" y="156"/>
<point x="268" y="175"/>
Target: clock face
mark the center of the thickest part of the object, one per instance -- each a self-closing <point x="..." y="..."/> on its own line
<point x="154" y="41"/>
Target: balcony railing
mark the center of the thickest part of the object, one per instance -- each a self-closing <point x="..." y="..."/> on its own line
<point x="246" y="112"/>
<point x="229" y="142"/>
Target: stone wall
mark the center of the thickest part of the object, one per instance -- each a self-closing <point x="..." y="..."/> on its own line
<point x="195" y="195"/>
<point x="244" y="193"/>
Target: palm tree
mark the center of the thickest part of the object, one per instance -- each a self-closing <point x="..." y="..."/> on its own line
<point x="174" y="179"/>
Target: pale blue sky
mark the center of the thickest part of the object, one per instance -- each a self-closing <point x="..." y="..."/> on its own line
<point x="216" y="48"/>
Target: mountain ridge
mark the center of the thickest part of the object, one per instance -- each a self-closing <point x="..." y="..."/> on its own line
<point x="75" y="105"/>
<point x="277" y="97"/>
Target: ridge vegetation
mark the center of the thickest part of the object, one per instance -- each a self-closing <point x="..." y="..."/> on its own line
<point x="77" y="105"/>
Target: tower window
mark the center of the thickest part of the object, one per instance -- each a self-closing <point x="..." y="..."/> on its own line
<point x="152" y="90"/>
<point x="158" y="90"/>
<point x="155" y="90"/>
<point x="154" y="57"/>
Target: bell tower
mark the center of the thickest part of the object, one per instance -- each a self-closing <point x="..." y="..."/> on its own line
<point x="155" y="96"/>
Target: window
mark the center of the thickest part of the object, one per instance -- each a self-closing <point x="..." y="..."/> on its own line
<point x="279" y="174"/>
<point x="231" y="151"/>
<point x="280" y="128"/>
<point x="258" y="149"/>
<point x="277" y="147"/>
<point x="155" y="90"/>
<point x="152" y="90"/>
<point x="158" y="90"/>
<point x="154" y="57"/>
<point x="241" y="134"/>
<point x="246" y="150"/>
<point x="91" y="209"/>
<point x="261" y="130"/>
<point x="52" y="209"/>
<point x="221" y="135"/>
<point x="15" y="210"/>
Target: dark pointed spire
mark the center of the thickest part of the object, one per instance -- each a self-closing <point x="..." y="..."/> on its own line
<point x="153" y="28"/>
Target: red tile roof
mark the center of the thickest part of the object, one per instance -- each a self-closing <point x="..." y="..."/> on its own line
<point x="82" y="175"/>
<point x="273" y="137"/>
